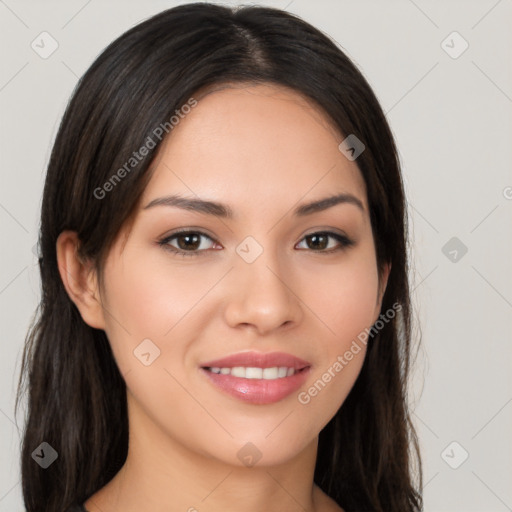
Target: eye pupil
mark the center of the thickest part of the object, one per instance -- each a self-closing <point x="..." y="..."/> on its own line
<point x="318" y="241"/>
<point x="193" y="241"/>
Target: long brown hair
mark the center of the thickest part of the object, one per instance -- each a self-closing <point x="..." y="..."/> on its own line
<point x="76" y="395"/>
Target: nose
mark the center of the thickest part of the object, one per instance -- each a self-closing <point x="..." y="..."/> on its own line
<point x="262" y="298"/>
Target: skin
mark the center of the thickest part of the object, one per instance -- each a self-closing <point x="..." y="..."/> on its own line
<point x="262" y="150"/>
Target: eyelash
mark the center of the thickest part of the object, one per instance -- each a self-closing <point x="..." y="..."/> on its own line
<point x="343" y="240"/>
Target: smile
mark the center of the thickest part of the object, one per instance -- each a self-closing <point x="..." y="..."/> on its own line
<point x="255" y="373"/>
<point x="257" y="378"/>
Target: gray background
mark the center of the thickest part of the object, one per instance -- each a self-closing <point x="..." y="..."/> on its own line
<point x="453" y="124"/>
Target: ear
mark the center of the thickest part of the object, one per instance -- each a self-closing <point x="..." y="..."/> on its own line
<point x="80" y="280"/>
<point x="383" y="283"/>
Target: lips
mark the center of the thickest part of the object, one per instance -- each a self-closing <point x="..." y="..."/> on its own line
<point x="257" y="378"/>
<point x="258" y="360"/>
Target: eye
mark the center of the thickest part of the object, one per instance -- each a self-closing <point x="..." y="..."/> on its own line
<point x="326" y="242"/>
<point x="190" y="243"/>
<point x="187" y="243"/>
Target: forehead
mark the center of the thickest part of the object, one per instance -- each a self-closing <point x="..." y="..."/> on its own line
<point x="254" y="143"/>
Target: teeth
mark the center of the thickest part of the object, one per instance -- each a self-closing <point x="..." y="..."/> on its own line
<point x="255" y="373"/>
<point x="270" y="373"/>
<point x="238" y="371"/>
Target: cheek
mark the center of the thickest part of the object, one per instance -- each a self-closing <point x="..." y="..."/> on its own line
<point x="152" y="299"/>
<point x="344" y="297"/>
<point x="148" y="298"/>
<point x="145" y="302"/>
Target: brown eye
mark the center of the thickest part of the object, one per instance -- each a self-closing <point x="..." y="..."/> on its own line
<point x="326" y="241"/>
<point x="187" y="243"/>
<point x="318" y="241"/>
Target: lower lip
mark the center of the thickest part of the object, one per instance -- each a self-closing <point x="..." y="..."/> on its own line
<point x="258" y="391"/>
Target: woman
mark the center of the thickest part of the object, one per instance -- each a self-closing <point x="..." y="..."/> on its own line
<point x="225" y="316"/>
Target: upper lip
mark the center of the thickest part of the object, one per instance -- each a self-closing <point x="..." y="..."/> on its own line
<point x="258" y="360"/>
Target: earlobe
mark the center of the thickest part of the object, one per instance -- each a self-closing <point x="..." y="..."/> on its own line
<point x="383" y="283"/>
<point x="384" y="280"/>
<point x="79" y="279"/>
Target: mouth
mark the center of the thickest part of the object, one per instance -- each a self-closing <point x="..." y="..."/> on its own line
<point x="257" y="378"/>
<point x="253" y="372"/>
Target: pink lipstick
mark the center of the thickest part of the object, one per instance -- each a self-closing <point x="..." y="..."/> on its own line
<point x="257" y="378"/>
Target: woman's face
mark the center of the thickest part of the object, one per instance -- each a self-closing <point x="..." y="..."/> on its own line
<point x="257" y="272"/>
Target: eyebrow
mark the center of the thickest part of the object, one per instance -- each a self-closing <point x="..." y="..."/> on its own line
<point x="224" y="211"/>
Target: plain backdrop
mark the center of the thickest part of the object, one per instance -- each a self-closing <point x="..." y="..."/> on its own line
<point x="448" y="99"/>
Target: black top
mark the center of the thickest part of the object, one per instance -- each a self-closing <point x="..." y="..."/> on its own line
<point x="77" y="508"/>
